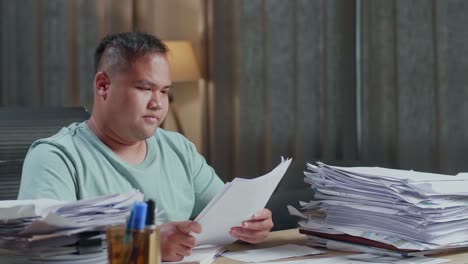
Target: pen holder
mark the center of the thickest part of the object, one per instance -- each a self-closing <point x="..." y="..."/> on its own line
<point x="153" y="247"/>
<point x="145" y="248"/>
<point x="119" y="244"/>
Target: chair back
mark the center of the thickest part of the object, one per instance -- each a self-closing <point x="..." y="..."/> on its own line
<point x="19" y="128"/>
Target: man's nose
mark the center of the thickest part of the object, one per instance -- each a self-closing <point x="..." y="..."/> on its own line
<point x="156" y="101"/>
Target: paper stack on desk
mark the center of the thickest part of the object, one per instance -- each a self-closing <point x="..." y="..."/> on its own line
<point x="397" y="210"/>
<point x="50" y="231"/>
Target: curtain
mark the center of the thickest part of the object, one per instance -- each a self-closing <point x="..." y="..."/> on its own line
<point x="414" y="84"/>
<point x="354" y="83"/>
<point x="46" y="48"/>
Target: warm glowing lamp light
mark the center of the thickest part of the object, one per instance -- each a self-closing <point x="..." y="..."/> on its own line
<point x="183" y="68"/>
<point x="182" y="62"/>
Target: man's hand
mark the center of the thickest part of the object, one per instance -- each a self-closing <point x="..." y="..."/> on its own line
<point x="176" y="241"/>
<point x="256" y="229"/>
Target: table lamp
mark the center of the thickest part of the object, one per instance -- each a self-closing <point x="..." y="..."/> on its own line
<point x="183" y="68"/>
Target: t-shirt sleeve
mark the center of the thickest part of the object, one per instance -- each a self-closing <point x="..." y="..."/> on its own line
<point x="47" y="173"/>
<point x="206" y="183"/>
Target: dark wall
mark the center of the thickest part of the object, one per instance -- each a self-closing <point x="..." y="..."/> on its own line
<point x="46" y="48"/>
<point x="415" y="94"/>
<point x="284" y="85"/>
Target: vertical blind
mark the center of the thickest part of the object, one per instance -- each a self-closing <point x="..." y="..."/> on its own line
<point x="46" y="47"/>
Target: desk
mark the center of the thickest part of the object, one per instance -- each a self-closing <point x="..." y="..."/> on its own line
<point x="292" y="236"/>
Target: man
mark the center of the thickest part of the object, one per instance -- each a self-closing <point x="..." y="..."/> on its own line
<point x="121" y="147"/>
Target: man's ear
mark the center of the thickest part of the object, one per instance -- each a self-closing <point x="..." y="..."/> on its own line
<point x="101" y="84"/>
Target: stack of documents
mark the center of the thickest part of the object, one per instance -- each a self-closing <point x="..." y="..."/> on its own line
<point x="39" y="231"/>
<point x="397" y="210"/>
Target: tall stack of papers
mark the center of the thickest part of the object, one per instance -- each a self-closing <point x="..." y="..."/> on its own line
<point x="50" y="231"/>
<point x="400" y="210"/>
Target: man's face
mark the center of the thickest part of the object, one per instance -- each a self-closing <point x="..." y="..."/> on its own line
<point x="138" y="100"/>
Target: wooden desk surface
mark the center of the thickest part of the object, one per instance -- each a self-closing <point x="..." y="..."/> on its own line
<point x="292" y="236"/>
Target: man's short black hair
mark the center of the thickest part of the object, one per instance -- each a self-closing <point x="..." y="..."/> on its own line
<point x="124" y="48"/>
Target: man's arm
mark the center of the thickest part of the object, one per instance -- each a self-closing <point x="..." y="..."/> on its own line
<point x="205" y="180"/>
<point x="47" y="173"/>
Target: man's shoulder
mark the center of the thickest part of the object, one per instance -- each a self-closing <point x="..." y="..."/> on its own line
<point x="63" y="138"/>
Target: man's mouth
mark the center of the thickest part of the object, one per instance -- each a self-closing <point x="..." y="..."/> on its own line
<point x="151" y="118"/>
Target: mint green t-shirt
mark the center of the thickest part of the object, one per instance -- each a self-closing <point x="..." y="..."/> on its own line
<point x="74" y="164"/>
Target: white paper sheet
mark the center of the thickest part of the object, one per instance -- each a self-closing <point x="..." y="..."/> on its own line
<point x="364" y="259"/>
<point x="273" y="253"/>
<point x="16" y="209"/>
<point x="201" y="255"/>
<point x="237" y="202"/>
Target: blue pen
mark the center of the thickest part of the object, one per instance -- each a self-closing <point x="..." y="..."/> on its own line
<point x="128" y="229"/>
<point x="138" y="233"/>
<point x="139" y="217"/>
<point x="128" y="242"/>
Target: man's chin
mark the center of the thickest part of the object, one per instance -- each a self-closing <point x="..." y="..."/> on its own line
<point x="145" y="131"/>
<point x="142" y="135"/>
<point x="150" y="132"/>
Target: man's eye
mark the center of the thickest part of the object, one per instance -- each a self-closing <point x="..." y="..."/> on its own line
<point x="144" y="88"/>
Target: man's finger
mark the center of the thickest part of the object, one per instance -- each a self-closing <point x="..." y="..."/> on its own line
<point x="183" y="251"/>
<point x="258" y="225"/>
<point x="188" y="227"/>
<point x="240" y="232"/>
<point x="188" y="241"/>
<point x="262" y="214"/>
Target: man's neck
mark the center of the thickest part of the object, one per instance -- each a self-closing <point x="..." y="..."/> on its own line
<point x="130" y="152"/>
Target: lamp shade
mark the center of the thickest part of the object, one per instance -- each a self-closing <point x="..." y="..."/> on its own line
<point x="182" y="63"/>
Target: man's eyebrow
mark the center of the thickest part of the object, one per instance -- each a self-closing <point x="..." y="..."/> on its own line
<point x="150" y="83"/>
<point x="145" y="82"/>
